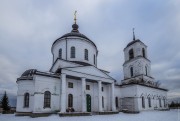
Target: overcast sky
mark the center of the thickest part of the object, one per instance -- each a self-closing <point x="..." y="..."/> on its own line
<point x="29" y="27"/>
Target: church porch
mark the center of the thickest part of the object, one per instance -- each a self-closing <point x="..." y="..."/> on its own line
<point x="95" y="95"/>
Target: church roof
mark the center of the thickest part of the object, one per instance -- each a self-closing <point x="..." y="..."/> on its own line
<point x="29" y="72"/>
<point x="75" y="33"/>
<point x="134" y="41"/>
<point x="81" y="63"/>
<point x="91" y="71"/>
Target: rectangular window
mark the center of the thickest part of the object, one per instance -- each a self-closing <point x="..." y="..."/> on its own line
<point x="102" y="89"/>
<point x="87" y="87"/>
<point x="116" y="102"/>
<point x="102" y="102"/>
<point x="70" y="85"/>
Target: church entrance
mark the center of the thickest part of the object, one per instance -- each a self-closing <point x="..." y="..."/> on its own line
<point x="88" y="102"/>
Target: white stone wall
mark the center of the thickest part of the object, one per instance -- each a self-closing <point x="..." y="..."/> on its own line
<point x="76" y="92"/>
<point x="43" y="84"/>
<point x="118" y="93"/>
<point x="25" y="86"/>
<point x="154" y="94"/>
<point x="80" y="45"/>
<point x="128" y="91"/>
<point x="137" y="91"/>
<point x="127" y="97"/>
<point x="107" y="96"/>
<point x="138" y="67"/>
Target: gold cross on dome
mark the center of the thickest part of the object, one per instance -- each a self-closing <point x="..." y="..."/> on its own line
<point x="75" y="17"/>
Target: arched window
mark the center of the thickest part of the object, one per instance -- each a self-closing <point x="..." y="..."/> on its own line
<point x="131" y="71"/>
<point x="149" y="101"/>
<point x="26" y="100"/>
<point x="116" y="102"/>
<point x="160" y="102"/>
<point x="143" y="52"/>
<point x="60" y="53"/>
<point x="73" y="52"/>
<point x="146" y="69"/>
<point x="143" y="102"/>
<point x="131" y="54"/>
<point x="70" y="100"/>
<point x="47" y="99"/>
<point x="164" y="102"/>
<point x="94" y="59"/>
<point x="102" y="101"/>
<point x="86" y="54"/>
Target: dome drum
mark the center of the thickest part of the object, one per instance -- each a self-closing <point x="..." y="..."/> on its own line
<point x="62" y="48"/>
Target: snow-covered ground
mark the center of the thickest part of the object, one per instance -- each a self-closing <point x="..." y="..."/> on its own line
<point x="171" y="115"/>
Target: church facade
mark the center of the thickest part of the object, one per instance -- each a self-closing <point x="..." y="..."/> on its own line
<point x="74" y="83"/>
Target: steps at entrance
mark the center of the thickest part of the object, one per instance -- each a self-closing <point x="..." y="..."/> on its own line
<point x="75" y="114"/>
<point x="106" y="113"/>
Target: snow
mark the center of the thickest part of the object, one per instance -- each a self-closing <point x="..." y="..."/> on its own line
<point x="172" y="115"/>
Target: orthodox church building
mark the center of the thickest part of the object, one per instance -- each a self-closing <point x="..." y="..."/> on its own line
<point x="75" y="84"/>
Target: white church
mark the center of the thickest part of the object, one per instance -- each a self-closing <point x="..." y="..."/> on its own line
<point x="75" y="85"/>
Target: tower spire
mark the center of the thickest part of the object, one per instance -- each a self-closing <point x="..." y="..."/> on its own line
<point x="75" y="17"/>
<point x="133" y="35"/>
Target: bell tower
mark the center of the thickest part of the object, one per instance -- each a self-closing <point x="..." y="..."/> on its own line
<point x="137" y="66"/>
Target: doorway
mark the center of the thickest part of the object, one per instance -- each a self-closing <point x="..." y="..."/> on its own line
<point x="88" y="102"/>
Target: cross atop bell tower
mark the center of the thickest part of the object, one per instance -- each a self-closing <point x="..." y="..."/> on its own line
<point x="134" y="35"/>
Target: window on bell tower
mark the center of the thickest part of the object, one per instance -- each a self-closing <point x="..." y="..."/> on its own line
<point x="146" y="69"/>
<point x="131" y="54"/>
<point x="143" y="53"/>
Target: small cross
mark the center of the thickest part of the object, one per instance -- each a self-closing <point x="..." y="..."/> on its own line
<point x="75" y="17"/>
